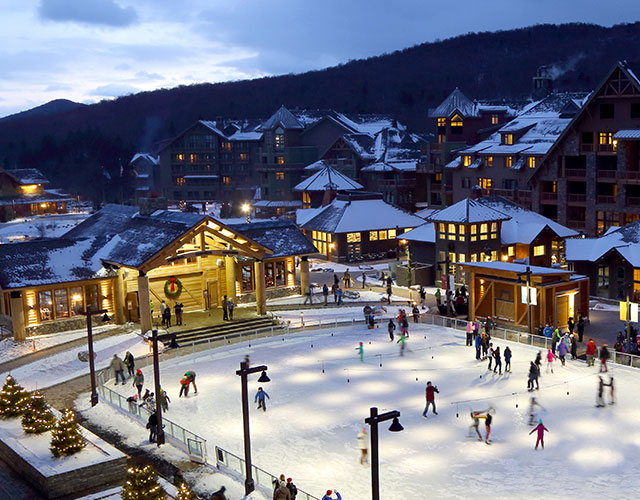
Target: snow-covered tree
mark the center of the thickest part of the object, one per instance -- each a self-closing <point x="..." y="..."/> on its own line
<point x="66" y="438"/>
<point x="13" y="399"/>
<point x="38" y="417"/>
<point x="142" y="484"/>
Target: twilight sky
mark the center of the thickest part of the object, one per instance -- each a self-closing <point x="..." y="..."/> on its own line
<point x="88" y="50"/>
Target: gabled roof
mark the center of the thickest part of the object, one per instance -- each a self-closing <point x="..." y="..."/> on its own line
<point x="423" y="234"/>
<point x="360" y="212"/>
<point x="155" y="160"/>
<point x="625" y="240"/>
<point x="467" y="211"/>
<point x="29" y="176"/>
<point x="281" y="236"/>
<point x="517" y="268"/>
<point x="282" y="118"/>
<point x="328" y="179"/>
<point x="455" y="102"/>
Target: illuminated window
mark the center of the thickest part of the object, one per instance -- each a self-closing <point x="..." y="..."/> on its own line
<point x="46" y="305"/>
<point x="494" y="255"/>
<point x="180" y="181"/>
<point x="76" y="300"/>
<point x="442" y="228"/>
<point x="456" y="124"/>
<point x="192" y="157"/>
<point x="636" y="275"/>
<point x="466" y="160"/>
<point x="488" y="161"/>
<point x="531" y="162"/>
<point x="507" y="139"/>
<point x="494" y="227"/>
<point x="61" y="303"/>
<point x="474" y="232"/>
<point x="226" y="180"/>
<point x="495" y="119"/>
<point x="382" y="235"/>
<point x="280" y="160"/>
<point x="442" y="122"/>
<point x="452" y="231"/>
<point x="511" y="251"/>
<point x="438" y="177"/>
<point x="462" y="257"/>
<point x="538" y="250"/>
<point x="484" y="229"/>
<point x="554" y="187"/>
<point x="484" y="183"/>
<point x="373" y="235"/>
<point x="226" y="146"/>
<point x="391" y="234"/>
<point x="279" y="176"/>
<point x="279" y="141"/>
<point x="461" y="232"/>
<point x="353" y="237"/>
<point x="243" y="157"/>
<point x="508" y="161"/>
<point x="180" y="157"/>
<point x="474" y="257"/>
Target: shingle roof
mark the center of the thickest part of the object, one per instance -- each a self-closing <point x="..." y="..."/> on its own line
<point x="29" y="176"/>
<point x="627" y="134"/>
<point x="281" y="236"/>
<point x="467" y="211"/>
<point x="328" y="179"/>
<point x="456" y="101"/>
<point x="282" y="118"/>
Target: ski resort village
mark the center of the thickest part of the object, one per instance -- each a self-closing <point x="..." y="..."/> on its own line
<point x="324" y="301"/>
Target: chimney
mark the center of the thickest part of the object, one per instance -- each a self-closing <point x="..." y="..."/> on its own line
<point x="542" y="83"/>
<point x="219" y="122"/>
<point x="147" y="206"/>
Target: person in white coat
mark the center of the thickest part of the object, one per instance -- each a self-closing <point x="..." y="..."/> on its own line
<point x="363" y="444"/>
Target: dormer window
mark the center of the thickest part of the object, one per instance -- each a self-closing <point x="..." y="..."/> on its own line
<point x="495" y="119"/>
<point x="466" y="160"/>
<point x="457" y="124"/>
<point x="507" y="139"/>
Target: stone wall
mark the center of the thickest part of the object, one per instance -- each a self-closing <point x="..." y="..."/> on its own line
<point x="62" y="325"/>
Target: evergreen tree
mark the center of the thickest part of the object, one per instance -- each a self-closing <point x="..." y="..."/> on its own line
<point x="66" y="438"/>
<point x="142" y="484"/>
<point x="185" y="493"/>
<point x="13" y="399"/>
<point x="38" y="417"/>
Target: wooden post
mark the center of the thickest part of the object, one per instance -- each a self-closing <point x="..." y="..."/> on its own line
<point x="119" y="296"/>
<point x="230" y="272"/>
<point x="304" y="274"/>
<point x="17" y="316"/>
<point x="472" y="297"/>
<point x="261" y="302"/>
<point x="143" y="302"/>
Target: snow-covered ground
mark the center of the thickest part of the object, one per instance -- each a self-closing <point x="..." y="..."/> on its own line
<point x="50" y="226"/>
<point x="320" y="265"/>
<point x="601" y="306"/>
<point x="66" y="365"/>
<point x="363" y="296"/>
<point x="322" y="316"/>
<point x="12" y="349"/>
<point x="309" y="429"/>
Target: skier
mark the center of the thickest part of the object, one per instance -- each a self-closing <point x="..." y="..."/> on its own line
<point x="604" y="356"/>
<point x="599" y="397"/>
<point x="478" y="346"/>
<point x="225" y="308"/>
<point x="563" y="348"/>
<point x="118" y="367"/>
<point x="541" y="430"/>
<point x="534" y="371"/>
<point x="470" y="329"/>
<point x="363" y="445"/>
<point x="507" y="359"/>
<point x="391" y="326"/>
<point x="329" y="497"/>
<point x="130" y="363"/>
<point x="532" y="410"/>
<point x="138" y="381"/>
<point x="191" y="376"/>
<point x="490" y="352"/>
<point x="360" y="350"/>
<point x="550" y="358"/>
<point x="260" y="395"/>
<point x="591" y="352"/>
<point x="184" y="387"/>
<point x="402" y="341"/>
<point x="292" y="488"/>
<point x="431" y="399"/>
<point x="325" y="293"/>
<point x="496" y="355"/>
<point x="230" y="306"/>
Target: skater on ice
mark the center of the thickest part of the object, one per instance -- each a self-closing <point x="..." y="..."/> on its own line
<point x="600" y="393"/>
<point x="391" y="326"/>
<point x="363" y="445"/>
<point x="611" y="392"/>
<point x="550" y="358"/>
<point x="534" y="372"/>
<point x="533" y="414"/>
<point x="138" y="381"/>
<point x="431" y="399"/>
<point x="478" y="346"/>
<point x="260" y="395"/>
<point x="563" y="349"/>
<point x="130" y="363"/>
<point x="118" y="367"/>
<point x="498" y="365"/>
<point x="604" y="357"/>
<point x="541" y="429"/>
<point x="184" y="386"/>
<point x="360" y="350"/>
<point x="191" y="376"/>
<point x="591" y="352"/>
<point x="402" y="342"/>
<point x="491" y="356"/>
<point x="470" y="330"/>
<point x="329" y="497"/>
<point x="507" y="359"/>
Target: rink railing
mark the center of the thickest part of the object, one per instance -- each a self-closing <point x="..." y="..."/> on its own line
<point x="191" y="443"/>
<point x="235" y="464"/>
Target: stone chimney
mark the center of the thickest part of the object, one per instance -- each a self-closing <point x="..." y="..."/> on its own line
<point x="542" y="83"/>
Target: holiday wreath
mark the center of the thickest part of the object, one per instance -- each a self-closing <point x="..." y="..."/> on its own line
<point x="173" y="287"/>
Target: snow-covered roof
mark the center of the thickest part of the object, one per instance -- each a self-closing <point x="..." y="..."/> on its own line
<point x="516" y="268"/>
<point x="213" y="126"/>
<point x="48" y="196"/>
<point x="467" y="211"/>
<point x="328" y="179"/>
<point x="29" y="176"/>
<point x="425" y="234"/>
<point x="360" y="212"/>
<point x="627" y="134"/>
<point x="317" y="165"/>
<point x="460" y="103"/>
<point x="391" y="166"/>
<point x="155" y="160"/>
<point x="277" y="204"/>
<point x="282" y="118"/>
<point x="625" y="240"/>
<point x="282" y="236"/>
<point x="200" y="176"/>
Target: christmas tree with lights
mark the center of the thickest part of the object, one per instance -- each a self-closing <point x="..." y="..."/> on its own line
<point x="13" y="399"/>
<point x="38" y="417"/>
<point x="142" y="484"/>
<point x="66" y="438"/>
<point x="185" y="493"/>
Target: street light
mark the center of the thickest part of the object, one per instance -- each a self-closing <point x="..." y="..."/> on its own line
<point x="527" y="273"/>
<point x="373" y="421"/>
<point x="246" y="209"/>
<point x="156" y="378"/>
<point x="92" y="367"/>
<point x="243" y="372"/>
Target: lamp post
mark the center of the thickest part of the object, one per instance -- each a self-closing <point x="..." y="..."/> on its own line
<point x="373" y="421"/>
<point x="246" y="209"/>
<point x="156" y="378"/>
<point x="243" y="372"/>
<point x="527" y="273"/>
<point x="88" y="313"/>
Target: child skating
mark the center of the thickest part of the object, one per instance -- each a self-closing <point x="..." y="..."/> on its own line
<point x="360" y="350"/>
<point x="431" y="399"/>
<point x="532" y="410"/>
<point x="550" y="358"/>
<point x="541" y="430"/>
<point x="260" y="395"/>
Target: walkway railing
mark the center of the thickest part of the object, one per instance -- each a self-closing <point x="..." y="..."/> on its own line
<point x="194" y="445"/>
<point x="235" y="464"/>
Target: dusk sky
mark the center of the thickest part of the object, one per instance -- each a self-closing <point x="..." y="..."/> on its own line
<point x="88" y="50"/>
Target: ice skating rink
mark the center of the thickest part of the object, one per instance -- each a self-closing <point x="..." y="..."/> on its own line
<point x="312" y="420"/>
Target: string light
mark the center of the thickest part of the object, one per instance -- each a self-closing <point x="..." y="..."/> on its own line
<point x="66" y="438"/>
<point x="14" y="400"/>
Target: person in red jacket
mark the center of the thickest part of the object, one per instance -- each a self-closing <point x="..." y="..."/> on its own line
<point x="591" y="352"/>
<point x="431" y="399"/>
<point x="541" y="430"/>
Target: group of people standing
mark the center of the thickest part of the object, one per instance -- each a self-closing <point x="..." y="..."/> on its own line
<point x="165" y="312"/>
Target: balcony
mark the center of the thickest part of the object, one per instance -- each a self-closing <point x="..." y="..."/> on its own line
<point x="607" y="175"/>
<point x="577" y="224"/>
<point x="577" y="198"/>
<point x="397" y="184"/>
<point x="633" y="201"/>
<point x="630" y="176"/>
<point x="548" y="197"/>
<point x="605" y="200"/>
<point x="575" y="173"/>
<point x="586" y="148"/>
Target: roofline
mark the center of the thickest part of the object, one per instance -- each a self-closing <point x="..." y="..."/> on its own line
<point x="198" y="122"/>
<point x="56" y="283"/>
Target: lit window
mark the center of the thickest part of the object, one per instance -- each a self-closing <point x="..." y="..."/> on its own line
<point x="508" y="161"/>
<point x="438" y="177"/>
<point x="554" y="187"/>
<point x="462" y="257"/>
<point x="353" y="237"/>
<point x="279" y="176"/>
<point x="373" y="235"/>
<point x="442" y="122"/>
<point x="494" y="227"/>
<point x="391" y="234"/>
<point x="531" y="162"/>
<point x="605" y="137"/>
<point x="494" y="255"/>
<point x="538" y="250"/>
<point x="452" y="231"/>
<point x="484" y="228"/>
<point x="192" y="157"/>
<point x="180" y="181"/>
<point x="484" y="183"/>
<point x="474" y="257"/>
<point x="636" y="275"/>
<point x="488" y="161"/>
<point x="279" y="141"/>
<point x="507" y="139"/>
<point x="226" y="180"/>
<point x="474" y="232"/>
<point x="280" y="160"/>
<point x="180" y="157"/>
<point x="243" y="156"/>
<point x="442" y="228"/>
<point x="461" y="232"/>
<point x="382" y="235"/>
<point x="456" y="124"/>
<point x="466" y="160"/>
<point x="306" y="198"/>
<point x="495" y="119"/>
<point x="226" y="146"/>
<point x="511" y="251"/>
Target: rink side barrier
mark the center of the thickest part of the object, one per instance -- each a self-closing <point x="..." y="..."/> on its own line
<point x="195" y="446"/>
<point x="235" y="465"/>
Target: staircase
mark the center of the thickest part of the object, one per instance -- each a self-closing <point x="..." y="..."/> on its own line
<point x="229" y="330"/>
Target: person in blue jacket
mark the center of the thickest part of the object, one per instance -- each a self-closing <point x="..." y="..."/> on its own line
<point x="548" y="331"/>
<point x="329" y="497"/>
<point x="260" y="395"/>
<point x="478" y="345"/>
